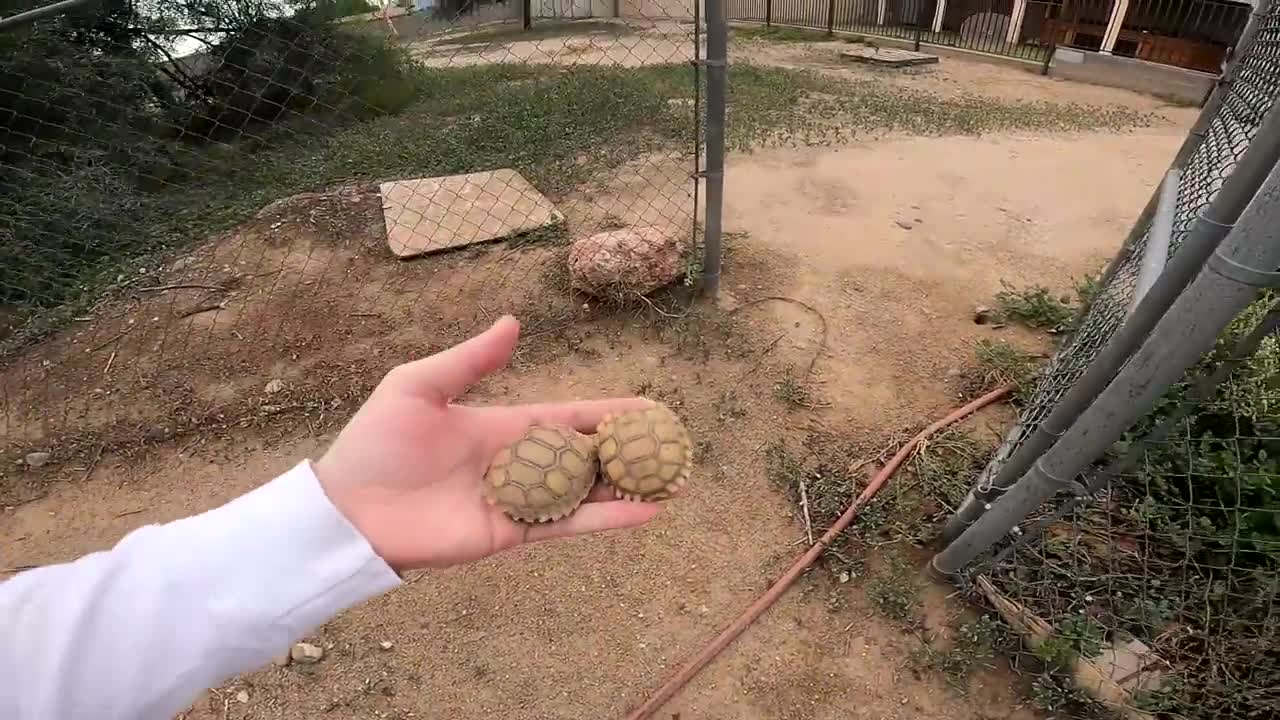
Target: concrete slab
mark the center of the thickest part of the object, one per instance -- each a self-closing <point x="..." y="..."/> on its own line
<point x="426" y="215"/>
<point x="889" y="57"/>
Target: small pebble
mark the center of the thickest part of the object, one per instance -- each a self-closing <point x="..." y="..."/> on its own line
<point x="903" y="224"/>
<point x="242" y="697"/>
<point x="386" y="645"/>
<point x="282" y="660"/>
<point x="306" y="653"/>
<point x="275" y="386"/>
<point x="37" y="459"/>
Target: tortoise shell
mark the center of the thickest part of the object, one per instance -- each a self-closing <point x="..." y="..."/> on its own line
<point x="645" y="454"/>
<point x="544" y="475"/>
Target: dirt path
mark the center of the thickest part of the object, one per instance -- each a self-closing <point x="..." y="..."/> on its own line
<point x="585" y="629"/>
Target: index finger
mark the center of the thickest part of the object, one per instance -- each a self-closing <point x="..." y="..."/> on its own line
<point x="581" y="415"/>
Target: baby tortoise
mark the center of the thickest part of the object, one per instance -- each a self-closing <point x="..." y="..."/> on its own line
<point x="544" y="475"/>
<point x="645" y="454"/>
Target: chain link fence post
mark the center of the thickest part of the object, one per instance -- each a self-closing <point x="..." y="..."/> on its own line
<point x="717" y="70"/>
<point x="1228" y="280"/>
<point x="1194" y="244"/>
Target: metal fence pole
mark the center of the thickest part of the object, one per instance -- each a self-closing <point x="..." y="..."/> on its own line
<point x="717" y="68"/>
<point x="1228" y="281"/>
<point x="526" y="14"/>
<point x="831" y="17"/>
<point x="1200" y="241"/>
<point x="1204" y="390"/>
<point x="1156" y="253"/>
<point x="768" y="13"/>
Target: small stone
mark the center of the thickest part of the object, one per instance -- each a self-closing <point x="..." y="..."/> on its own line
<point x="306" y="653"/>
<point x="386" y="644"/>
<point x="981" y="315"/>
<point x="242" y="697"/>
<point x="281" y="660"/>
<point x="274" y="386"/>
<point x="37" y="459"/>
<point x="904" y="224"/>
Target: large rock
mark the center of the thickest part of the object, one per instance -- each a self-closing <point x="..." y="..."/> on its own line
<point x="630" y="260"/>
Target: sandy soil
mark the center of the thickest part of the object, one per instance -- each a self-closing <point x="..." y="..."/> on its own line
<point x="155" y="408"/>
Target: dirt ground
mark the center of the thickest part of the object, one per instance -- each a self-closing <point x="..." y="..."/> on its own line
<point x="169" y="400"/>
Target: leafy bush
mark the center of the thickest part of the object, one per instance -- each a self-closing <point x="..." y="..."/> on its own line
<point x="106" y="143"/>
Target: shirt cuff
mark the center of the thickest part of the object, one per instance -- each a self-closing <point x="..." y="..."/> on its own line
<point x="289" y="537"/>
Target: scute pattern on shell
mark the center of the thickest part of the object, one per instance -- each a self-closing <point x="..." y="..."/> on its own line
<point x="544" y="475"/>
<point x="646" y="454"/>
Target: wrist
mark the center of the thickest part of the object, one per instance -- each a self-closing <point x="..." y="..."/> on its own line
<point x="350" y="502"/>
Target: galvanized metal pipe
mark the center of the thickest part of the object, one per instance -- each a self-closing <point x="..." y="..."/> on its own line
<point x="1204" y="390"/>
<point x="1156" y="252"/>
<point x="1199" y="244"/>
<point x="717" y="66"/>
<point x="1227" y="282"/>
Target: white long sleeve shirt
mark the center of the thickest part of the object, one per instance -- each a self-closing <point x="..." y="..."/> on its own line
<point x="138" y="631"/>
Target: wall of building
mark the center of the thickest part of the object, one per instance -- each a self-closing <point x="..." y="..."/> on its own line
<point x="1165" y="81"/>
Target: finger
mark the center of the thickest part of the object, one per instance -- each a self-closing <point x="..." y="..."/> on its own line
<point x="448" y="373"/>
<point x="581" y="415"/>
<point x="594" y="518"/>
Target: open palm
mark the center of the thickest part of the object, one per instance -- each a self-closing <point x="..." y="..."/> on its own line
<point x="407" y="469"/>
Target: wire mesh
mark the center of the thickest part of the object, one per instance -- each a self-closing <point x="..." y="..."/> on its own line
<point x="214" y="211"/>
<point x="1226" y="137"/>
<point x="1168" y="578"/>
<point x="1161" y="590"/>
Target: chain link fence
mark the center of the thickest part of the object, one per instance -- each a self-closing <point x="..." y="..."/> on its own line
<point x="1158" y="581"/>
<point x="1215" y="147"/>
<point x="216" y="210"/>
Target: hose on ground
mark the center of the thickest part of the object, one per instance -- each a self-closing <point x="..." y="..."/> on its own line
<point x="686" y="673"/>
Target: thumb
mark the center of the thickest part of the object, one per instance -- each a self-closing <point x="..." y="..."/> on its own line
<point x="448" y="373"/>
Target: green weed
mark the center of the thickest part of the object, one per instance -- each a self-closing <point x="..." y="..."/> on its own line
<point x="973" y="646"/>
<point x="892" y="589"/>
<point x="1035" y="306"/>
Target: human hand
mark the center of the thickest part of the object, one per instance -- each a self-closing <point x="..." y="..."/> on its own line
<point x="407" y="469"/>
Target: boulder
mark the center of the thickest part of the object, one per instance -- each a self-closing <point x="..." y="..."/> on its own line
<point x="629" y="260"/>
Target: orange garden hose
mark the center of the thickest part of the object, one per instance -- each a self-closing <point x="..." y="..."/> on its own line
<point x="676" y="683"/>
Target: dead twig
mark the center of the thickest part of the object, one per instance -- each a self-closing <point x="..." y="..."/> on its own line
<point x="127" y="513"/>
<point x="18" y="569"/>
<point x="822" y="321"/>
<point x="181" y="286"/>
<point x="110" y="360"/>
<point x="804" y="507"/>
<point x="92" y="464"/>
<point x="113" y="338"/>
<point x="659" y="310"/>
<point x="29" y="500"/>
<point x="202" y="308"/>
